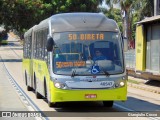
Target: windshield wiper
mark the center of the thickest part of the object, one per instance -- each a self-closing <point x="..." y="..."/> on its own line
<point x="106" y="73"/>
<point x="73" y="73"/>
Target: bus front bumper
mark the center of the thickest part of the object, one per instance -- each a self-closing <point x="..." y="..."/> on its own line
<point x="116" y="94"/>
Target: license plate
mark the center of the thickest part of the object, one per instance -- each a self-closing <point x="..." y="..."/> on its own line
<point x="90" y="96"/>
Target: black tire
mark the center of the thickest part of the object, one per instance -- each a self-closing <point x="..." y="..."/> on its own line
<point x="25" y="76"/>
<point x="45" y="89"/>
<point x="52" y="104"/>
<point x="34" y="82"/>
<point x="108" y="103"/>
<point x="28" y="87"/>
<point x="38" y="95"/>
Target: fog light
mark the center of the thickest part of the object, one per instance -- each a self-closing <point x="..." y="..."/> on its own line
<point x="117" y="85"/>
<point x="59" y="85"/>
<point x="121" y="83"/>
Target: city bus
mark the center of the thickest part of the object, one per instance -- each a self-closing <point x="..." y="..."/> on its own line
<point x="59" y="61"/>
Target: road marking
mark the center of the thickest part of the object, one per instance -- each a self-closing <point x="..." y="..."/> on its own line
<point x="127" y="109"/>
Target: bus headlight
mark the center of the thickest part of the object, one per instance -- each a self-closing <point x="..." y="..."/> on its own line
<point x="121" y="84"/>
<point x="60" y="85"/>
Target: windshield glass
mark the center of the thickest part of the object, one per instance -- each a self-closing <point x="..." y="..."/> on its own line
<point x="87" y="53"/>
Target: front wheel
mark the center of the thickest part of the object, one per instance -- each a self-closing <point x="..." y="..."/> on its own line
<point x="108" y="103"/>
<point x="52" y="104"/>
<point x="29" y="88"/>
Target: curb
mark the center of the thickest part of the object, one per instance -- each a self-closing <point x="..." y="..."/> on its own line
<point x="144" y="87"/>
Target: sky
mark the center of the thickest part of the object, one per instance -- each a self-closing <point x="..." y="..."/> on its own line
<point x="105" y="6"/>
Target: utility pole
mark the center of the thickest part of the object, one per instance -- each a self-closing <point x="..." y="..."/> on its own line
<point x="125" y="25"/>
<point x="156" y="7"/>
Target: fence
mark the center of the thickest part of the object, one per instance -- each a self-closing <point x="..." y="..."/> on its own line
<point x="130" y="59"/>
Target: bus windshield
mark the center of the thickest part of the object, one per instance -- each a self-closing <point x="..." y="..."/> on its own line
<point x="87" y="53"/>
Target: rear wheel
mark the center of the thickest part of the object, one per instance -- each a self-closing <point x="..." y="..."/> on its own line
<point x="38" y="95"/>
<point x="108" y="103"/>
<point x="52" y="104"/>
<point x="28" y="87"/>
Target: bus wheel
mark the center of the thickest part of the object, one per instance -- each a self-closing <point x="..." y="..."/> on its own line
<point x="28" y="87"/>
<point x="52" y="104"/>
<point x="38" y="95"/>
<point x="108" y="103"/>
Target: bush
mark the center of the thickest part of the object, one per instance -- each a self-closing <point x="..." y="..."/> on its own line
<point x="3" y="35"/>
<point x="4" y="42"/>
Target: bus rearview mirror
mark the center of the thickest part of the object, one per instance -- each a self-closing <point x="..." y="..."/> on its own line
<point x="50" y="44"/>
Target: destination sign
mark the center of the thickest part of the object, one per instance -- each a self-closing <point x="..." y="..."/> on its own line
<point x="96" y="36"/>
<point x="70" y="64"/>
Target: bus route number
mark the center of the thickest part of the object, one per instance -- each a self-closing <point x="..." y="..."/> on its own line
<point x="98" y="36"/>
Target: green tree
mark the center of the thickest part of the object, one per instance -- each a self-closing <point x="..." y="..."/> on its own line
<point x="116" y="15"/>
<point x="134" y="11"/>
<point x="126" y="9"/>
<point x="23" y="14"/>
<point x="144" y="8"/>
<point x="20" y="14"/>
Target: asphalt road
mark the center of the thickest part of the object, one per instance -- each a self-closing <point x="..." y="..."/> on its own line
<point x="138" y="100"/>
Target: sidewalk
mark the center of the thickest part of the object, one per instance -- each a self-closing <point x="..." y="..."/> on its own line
<point x="9" y="99"/>
<point x="140" y="84"/>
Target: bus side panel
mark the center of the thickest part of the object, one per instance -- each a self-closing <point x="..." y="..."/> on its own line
<point x="27" y="70"/>
<point x="118" y="94"/>
<point x="41" y="72"/>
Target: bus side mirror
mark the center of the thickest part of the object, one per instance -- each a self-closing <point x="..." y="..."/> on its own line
<point x="50" y="44"/>
<point x="125" y="44"/>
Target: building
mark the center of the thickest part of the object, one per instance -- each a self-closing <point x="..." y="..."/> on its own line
<point x="148" y="47"/>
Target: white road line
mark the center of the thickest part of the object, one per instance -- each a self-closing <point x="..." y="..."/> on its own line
<point x="127" y="109"/>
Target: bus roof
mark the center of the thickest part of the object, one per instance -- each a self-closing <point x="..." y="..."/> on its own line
<point x="29" y="32"/>
<point x="82" y="21"/>
<point x="66" y="22"/>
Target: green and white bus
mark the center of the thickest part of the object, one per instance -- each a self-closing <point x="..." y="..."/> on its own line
<point x="59" y="61"/>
